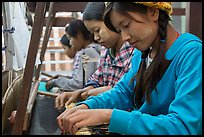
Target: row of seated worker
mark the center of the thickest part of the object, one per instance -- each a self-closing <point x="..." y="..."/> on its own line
<point x="150" y="92"/>
<point x="148" y="76"/>
<point x="92" y="77"/>
<point x="81" y="42"/>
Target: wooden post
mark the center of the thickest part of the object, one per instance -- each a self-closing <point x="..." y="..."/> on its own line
<point x="28" y="73"/>
<point x="194" y="18"/>
<point x="49" y="24"/>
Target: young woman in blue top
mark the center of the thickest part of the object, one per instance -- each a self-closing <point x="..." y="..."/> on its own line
<point x="163" y="89"/>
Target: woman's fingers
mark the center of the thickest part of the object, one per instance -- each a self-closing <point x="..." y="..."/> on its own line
<point x="84" y="95"/>
<point x="76" y="127"/>
<point x="48" y="85"/>
<point x="58" y="101"/>
<point x="74" y="121"/>
<point x="60" y="122"/>
<point x="69" y="118"/>
<point x="64" y="117"/>
<point x="61" y="99"/>
<point x="70" y="100"/>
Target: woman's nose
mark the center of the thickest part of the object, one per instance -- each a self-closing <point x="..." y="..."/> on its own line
<point x="96" y="37"/>
<point x="125" y="36"/>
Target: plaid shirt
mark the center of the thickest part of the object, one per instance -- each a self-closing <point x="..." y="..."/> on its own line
<point x="111" y="69"/>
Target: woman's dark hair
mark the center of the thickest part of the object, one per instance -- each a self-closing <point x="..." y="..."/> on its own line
<point x="94" y="11"/>
<point x="65" y="41"/>
<point x="77" y="26"/>
<point x="146" y="79"/>
<point x="121" y="8"/>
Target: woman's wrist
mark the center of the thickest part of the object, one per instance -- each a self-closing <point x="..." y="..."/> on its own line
<point x="108" y="114"/>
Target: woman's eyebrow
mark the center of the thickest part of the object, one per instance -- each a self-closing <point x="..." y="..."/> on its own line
<point x="90" y="29"/>
<point x="119" y="24"/>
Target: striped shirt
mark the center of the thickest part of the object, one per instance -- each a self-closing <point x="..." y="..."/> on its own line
<point x="78" y="78"/>
<point x="111" y="69"/>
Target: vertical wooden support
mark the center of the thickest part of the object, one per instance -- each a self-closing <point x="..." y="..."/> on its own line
<point x="49" y="24"/>
<point x="194" y="18"/>
<point x="30" y="63"/>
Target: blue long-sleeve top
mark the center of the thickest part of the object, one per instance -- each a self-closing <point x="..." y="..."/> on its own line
<point x="176" y="106"/>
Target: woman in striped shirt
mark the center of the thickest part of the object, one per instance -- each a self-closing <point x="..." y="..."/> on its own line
<point x="81" y="41"/>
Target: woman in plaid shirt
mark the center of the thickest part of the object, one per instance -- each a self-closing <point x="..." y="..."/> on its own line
<point x="115" y="57"/>
<point x="111" y="68"/>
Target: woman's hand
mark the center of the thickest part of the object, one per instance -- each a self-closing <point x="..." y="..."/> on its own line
<point x="49" y="85"/>
<point x="94" y="92"/>
<point x="67" y="112"/>
<point x="67" y="97"/>
<point x="91" y="92"/>
<point x="73" y="119"/>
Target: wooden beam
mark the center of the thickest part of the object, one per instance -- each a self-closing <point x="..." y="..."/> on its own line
<point x="70" y="6"/>
<point x="194" y="18"/>
<point x="28" y="73"/>
<point x="61" y="6"/>
<point x="30" y="105"/>
<point x="61" y="21"/>
<point x="79" y="7"/>
<point x="49" y="24"/>
<point x="179" y="12"/>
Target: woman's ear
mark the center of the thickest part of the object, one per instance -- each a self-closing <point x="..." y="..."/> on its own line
<point x="153" y="13"/>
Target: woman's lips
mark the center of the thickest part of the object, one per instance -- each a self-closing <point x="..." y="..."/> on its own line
<point x="134" y="44"/>
<point x="102" y="44"/>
